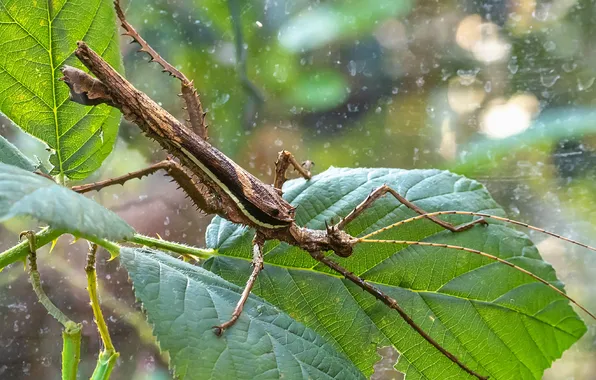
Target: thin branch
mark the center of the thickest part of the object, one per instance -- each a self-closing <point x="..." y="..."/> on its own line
<point x="94" y="298"/>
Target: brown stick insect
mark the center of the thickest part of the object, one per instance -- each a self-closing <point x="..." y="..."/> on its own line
<point x="217" y="185"/>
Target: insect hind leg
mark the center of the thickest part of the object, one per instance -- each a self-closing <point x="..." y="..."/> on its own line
<point x="257" y="263"/>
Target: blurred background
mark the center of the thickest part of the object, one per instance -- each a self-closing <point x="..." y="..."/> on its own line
<point x="501" y="91"/>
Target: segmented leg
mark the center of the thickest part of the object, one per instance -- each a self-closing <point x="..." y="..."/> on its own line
<point x="284" y="160"/>
<point x="193" y="189"/>
<point x="257" y="266"/>
<point x="378" y="193"/>
<point x="393" y="304"/>
<point x="196" y="115"/>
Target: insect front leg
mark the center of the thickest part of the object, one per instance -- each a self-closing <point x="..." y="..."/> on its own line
<point x="196" y="115"/>
<point x="284" y="160"/>
<point x="257" y="266"/>
<point x="381" y="191"/>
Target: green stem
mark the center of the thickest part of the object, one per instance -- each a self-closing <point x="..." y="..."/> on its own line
<point x="71" y="335"/>
<point x="36" y="282"/>
<point x="105" y="364"/>
<point x="21" y="250"/>
<point x="108" y="356"/>
<point x="71" y="350"/>
<point x="111" y="247"/>
<point x="173" y="247"/>
<point x="94" y="297"/>
<point x="47" y="235"/>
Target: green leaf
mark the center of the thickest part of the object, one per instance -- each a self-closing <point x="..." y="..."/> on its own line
<point x="11" y="155"/>
<point x="184" y="302"/>
<point x="498" y="321"/>
<point x="37" y="39"/>
<point x="27" y="194"/>
<point x="320" y="91"/>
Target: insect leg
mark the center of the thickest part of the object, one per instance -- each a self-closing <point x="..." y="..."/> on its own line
<point x="196" y="115"/>
<point x="201" y="198"/>
<point x="381" y="191"/>
<point x="257" y="263"/>
<point x="483" y="215"/>
<point x="393" y="304"/>
<point x="284" y="160"/>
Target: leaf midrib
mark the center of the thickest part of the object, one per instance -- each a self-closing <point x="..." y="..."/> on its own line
<point x="52" y="70"/>
<point x="53" y="107"/>
<point x="50" y="102"/>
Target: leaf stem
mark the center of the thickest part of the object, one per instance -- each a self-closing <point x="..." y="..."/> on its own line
<point x="21" y="250"/>
<point x="94" y="297"/>
<point x="60" y="178"/>
<point x="108" y="356"/>
<point x="36" y="282"/>
<point x="71" y="334"/>
<point x="173" y="247"/>
<point x="105" y="364"/>
<point x="111" y="247"/>
<point x="71" y="350"/>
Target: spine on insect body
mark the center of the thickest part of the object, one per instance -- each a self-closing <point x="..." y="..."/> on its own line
<point x="246" y="199"/>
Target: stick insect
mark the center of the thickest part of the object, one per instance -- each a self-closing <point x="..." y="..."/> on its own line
<point x="218" y="185"/>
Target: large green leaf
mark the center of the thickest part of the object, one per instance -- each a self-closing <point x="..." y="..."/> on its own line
<point x="27" y="194"/>
<point x="37" y="38"/>
<point x="495" y="319"/>
<point x="184" y="302"/>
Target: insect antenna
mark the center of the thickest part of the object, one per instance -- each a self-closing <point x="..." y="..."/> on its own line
<point x="483" y="215"/>
<point x="476" y="252"/>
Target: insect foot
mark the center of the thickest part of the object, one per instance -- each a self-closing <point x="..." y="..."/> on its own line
<point x="218" y="330"/>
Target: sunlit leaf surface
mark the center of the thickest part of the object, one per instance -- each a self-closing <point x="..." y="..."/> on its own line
<point x="38" y="37"/>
